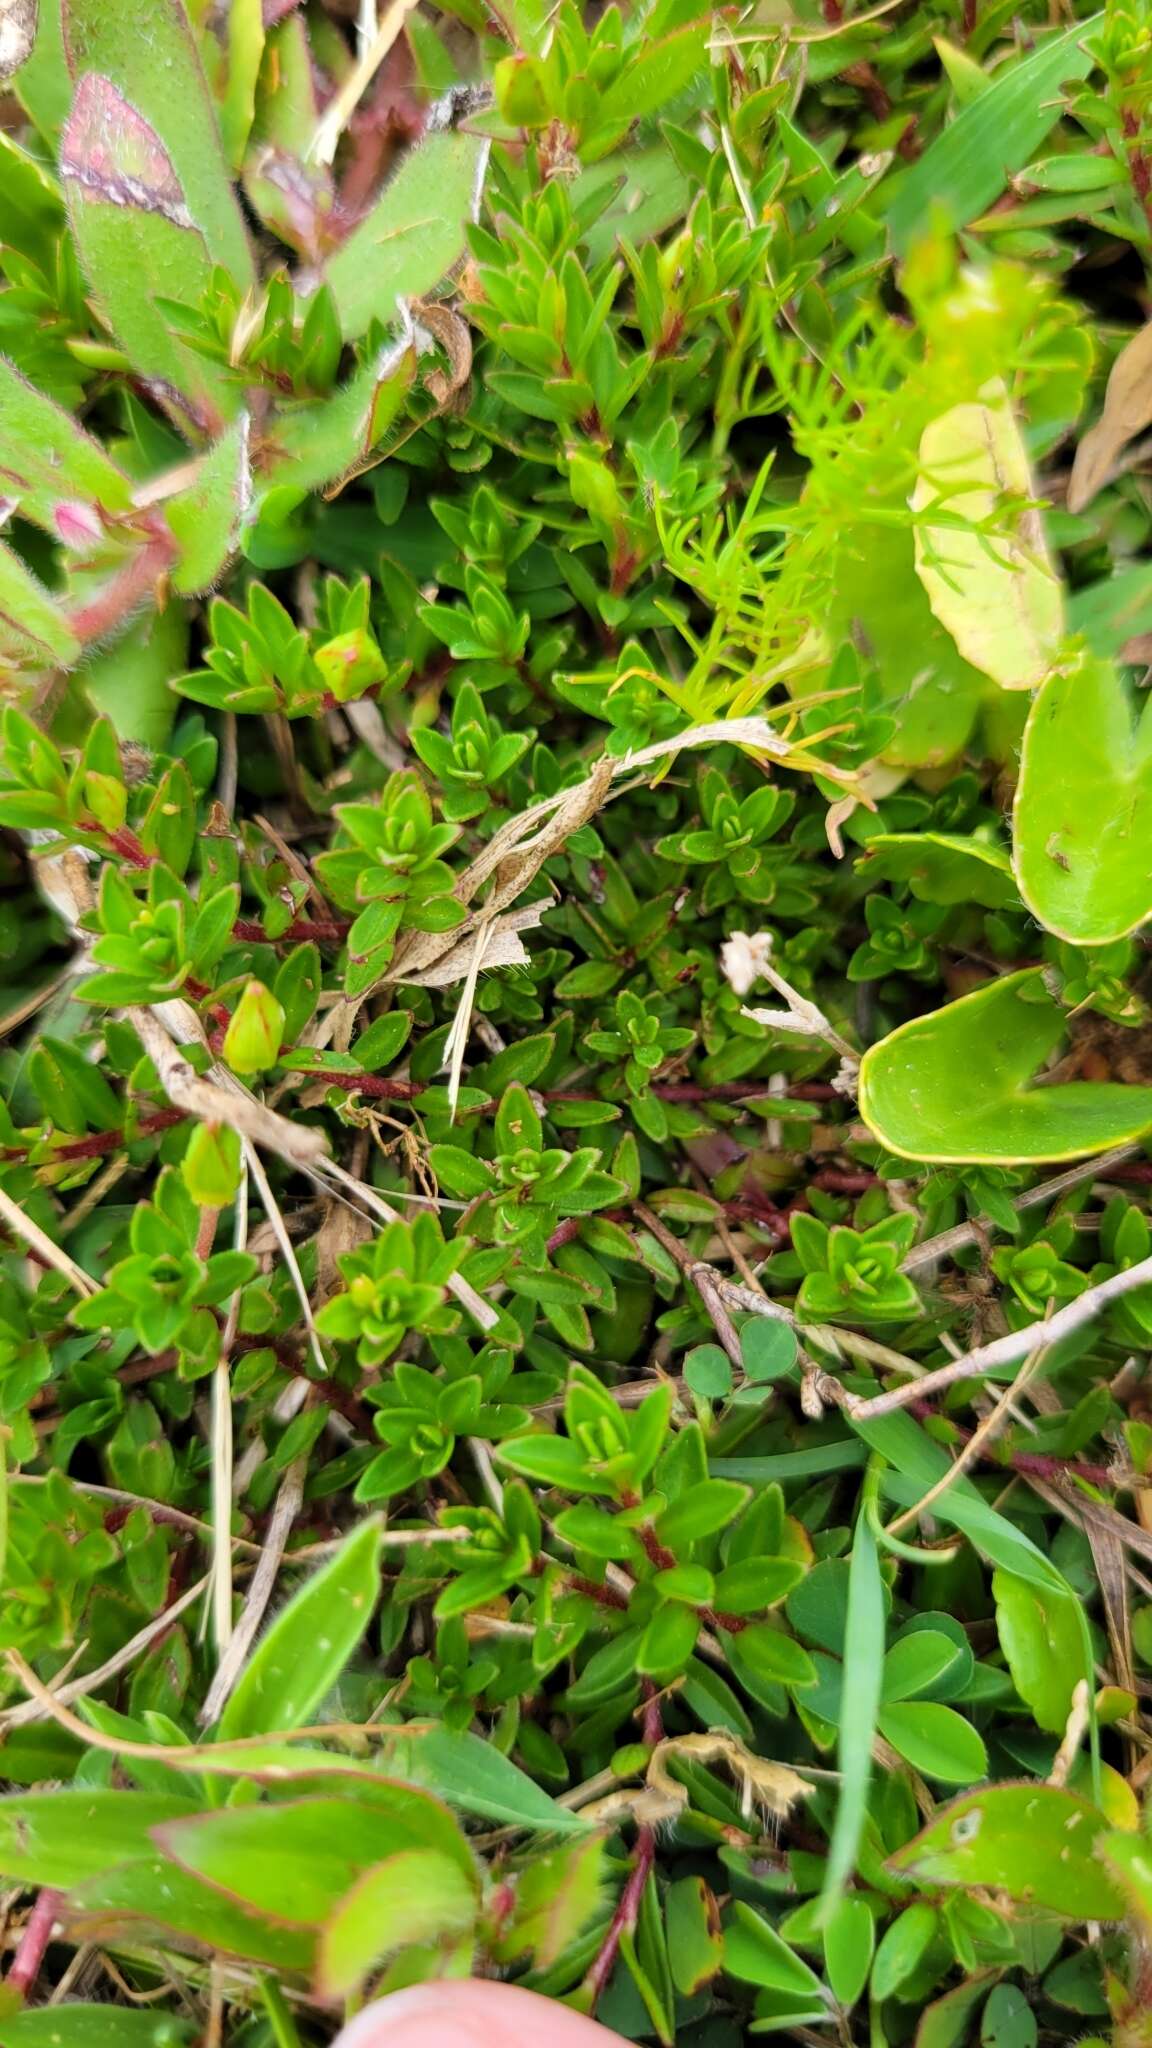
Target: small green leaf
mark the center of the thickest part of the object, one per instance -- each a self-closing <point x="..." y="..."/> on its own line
<point x="767" y="1348"/>
<point x="1039" y="1634"/>
<point x="935" y="1740"/>
<point x="708" y="1371"/>
<point x="695" y="1942"/>
<point x="902" y="1948"/>
<point x="754" y="1952"/>
<point x="849" y="1939"/>
<point x="255" y="1031"/>
<point x="476" y="1777"/>
<point x="308" y="1645"/>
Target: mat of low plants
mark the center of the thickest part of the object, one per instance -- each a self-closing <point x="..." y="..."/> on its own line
<point x="575" y="1058"/>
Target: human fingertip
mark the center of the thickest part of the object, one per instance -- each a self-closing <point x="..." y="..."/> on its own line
<point x="476" y="2014"/>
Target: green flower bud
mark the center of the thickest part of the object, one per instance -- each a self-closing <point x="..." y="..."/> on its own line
<point x="253" y="1038"/>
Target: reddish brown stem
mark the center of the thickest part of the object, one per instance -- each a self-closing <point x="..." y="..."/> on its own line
<point x="34" y="1941"/>
<point x="97" y="1143"/>
<point x="124" y="591"/>
<point x="325" y="931"/>
<point x="626" y="1915"/>
<point x="604" y="1596"/>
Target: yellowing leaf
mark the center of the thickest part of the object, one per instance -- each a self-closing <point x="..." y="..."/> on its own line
<point x="980" y="549"/>
<point x="1127" y="410"/>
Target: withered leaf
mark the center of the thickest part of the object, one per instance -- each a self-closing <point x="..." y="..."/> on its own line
<point x="1127" y="410"/>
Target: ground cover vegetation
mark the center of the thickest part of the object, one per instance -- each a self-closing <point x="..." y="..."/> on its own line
<point x="575" y="1091"/>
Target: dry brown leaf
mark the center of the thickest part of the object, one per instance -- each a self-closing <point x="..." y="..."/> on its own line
<point x="504" y="949"/>
<point x="1127" y="409"/>
<point x="773" y="1787"/>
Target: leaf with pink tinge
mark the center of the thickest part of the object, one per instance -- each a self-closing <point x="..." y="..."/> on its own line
<point x="110" y="149"/>
<point x="135" y="237"/>
<point x="149" y="57"/>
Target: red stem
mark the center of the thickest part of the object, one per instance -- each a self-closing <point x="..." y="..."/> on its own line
<point x="627" y="1912"/>
<point x="34" y="1939"/>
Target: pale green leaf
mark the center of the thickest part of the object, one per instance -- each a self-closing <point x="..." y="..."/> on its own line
<point x="1082" y="820"/>
<point x="955" y="1086"/>
<point x="990" y="580"/>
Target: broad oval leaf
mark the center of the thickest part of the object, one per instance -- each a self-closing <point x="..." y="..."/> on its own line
<point x="309" y="1643"/>
<point x="1039" y="1632"/>
<point x="935" y="1740"/>
<point x="1082" y="819"/>
<point x="292" y="1861"/>
<point x="1035" y="1842"/>
<point x="137" y="236"/>
<point x="754" y="1952"/>
<point x="990" y="580"/>
<point x="954" y="1087"/>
